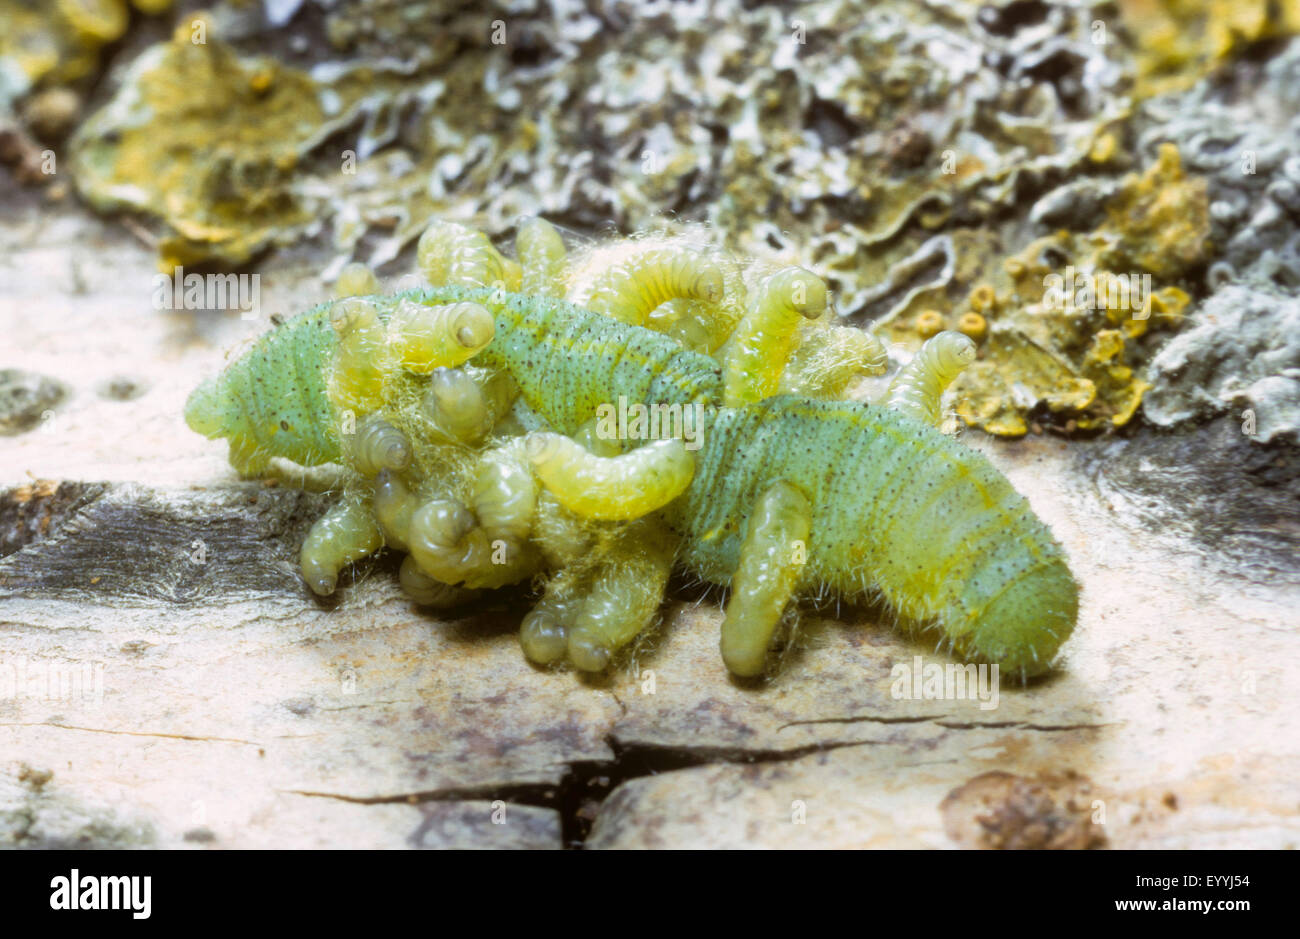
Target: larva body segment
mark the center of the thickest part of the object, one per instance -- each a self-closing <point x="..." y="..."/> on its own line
<point x="457" y="405"/>
<point x="355" y="379"/>
<point x="505" y="494"/>
<point x="561" y="536"/>
<point x="918" y="387"/>
<point x="426" y="591"/>
<point x="356" y="280"/>
<point x="623" y="597"/>
<point x="393" y="504"/>
<point x="568" y="362"/>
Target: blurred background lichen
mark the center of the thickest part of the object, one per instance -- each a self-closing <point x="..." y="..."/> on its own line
<point x="938" y="163"/>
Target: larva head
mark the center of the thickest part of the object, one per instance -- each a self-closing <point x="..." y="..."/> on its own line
<point x="378" y="446"/>
<point x="542" y="447"/>
<point x="953" y="351"/>
<point x="356" y="280"/>
<point x="1022" y="628"/>
<point x="472" y="326"/>
<point x="807" y="291"/>
<point x="205" y="409"/>
<point x="544" y="638"/>
<point x="708" y="284"/>
<point x="352" y="314"/>
<point x="455" y="402"/>
<point x="426" y="335"/>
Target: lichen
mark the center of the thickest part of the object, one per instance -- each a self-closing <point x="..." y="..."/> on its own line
<point x="1240" y="355"/>
<point x="909" y="153"/>
<point x="1181" y="41"/>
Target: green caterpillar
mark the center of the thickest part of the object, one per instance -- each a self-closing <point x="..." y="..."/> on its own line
<point x="474" y="422"/>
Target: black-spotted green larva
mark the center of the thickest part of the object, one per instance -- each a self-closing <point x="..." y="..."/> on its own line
<point x="474" y="427"/>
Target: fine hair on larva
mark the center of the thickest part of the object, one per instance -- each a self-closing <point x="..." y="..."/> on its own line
<point x="464" y="416"/>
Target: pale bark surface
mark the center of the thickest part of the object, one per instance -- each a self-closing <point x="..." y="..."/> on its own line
<point x="236" y="711"/>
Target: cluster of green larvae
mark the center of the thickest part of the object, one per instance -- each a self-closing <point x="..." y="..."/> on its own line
<point x="481" y="427"/>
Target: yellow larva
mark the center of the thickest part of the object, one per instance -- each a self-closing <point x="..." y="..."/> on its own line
<point x="453" y="255"/>
<point x="446" y="542"/>
<point x="356" y="280"/>
<point x="756" y="353"/>
<point x="623" y="596"/>
<point x="377" y="445"/>
<point x="505" y="494"/>
<point x="424" y="337"/>
<point x="704" y="325"/>
<point x="918" y="387"/>
<point x="829" y="358"/>
<point x="542" y="257"/>
<point x="345" y="533"/>
<point x="630" y="290"/>
<point x="611" y="488"/>
<point x="448" y="545"/>
<point x="771" y="562"/>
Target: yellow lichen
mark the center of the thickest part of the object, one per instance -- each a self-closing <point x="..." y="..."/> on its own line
<point x="1158" y="221"/>
<point x="1180" y="41"/>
